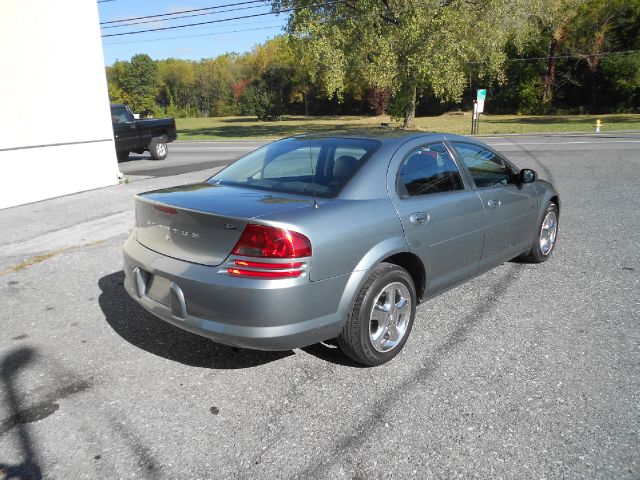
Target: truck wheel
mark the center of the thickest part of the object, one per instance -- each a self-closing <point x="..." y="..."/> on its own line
<point x="122" y="155"/>
<point x="158" y="148"/>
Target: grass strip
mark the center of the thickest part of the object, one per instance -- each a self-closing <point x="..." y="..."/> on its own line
<point x="249" y="128"/>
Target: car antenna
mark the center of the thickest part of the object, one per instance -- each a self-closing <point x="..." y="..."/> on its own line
<point x="313" y="174"/>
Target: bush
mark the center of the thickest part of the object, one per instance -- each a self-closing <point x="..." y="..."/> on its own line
<point x="530" y="97"/>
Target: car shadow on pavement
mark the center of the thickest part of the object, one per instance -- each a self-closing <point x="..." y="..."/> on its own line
<point x="329" y="352"/>
<point x="145" y="331"/>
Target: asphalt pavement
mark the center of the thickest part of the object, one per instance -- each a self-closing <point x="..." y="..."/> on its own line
<point x="528" y="371"/>
<point x="187" y="157"/>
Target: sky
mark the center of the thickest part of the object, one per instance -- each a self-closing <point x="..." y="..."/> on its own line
<point x="191" y="43"/>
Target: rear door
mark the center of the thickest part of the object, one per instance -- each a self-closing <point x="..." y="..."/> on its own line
<point x="442" y="216"/>
<point x="510" y="207"/>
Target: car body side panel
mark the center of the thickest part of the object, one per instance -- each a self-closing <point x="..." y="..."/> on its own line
<point x="511" y="224"/>
<point x="510" y="211"/>
<point x="450" y="242"/>
<point x="546" y="192"/>
<point x="342" y="233"/>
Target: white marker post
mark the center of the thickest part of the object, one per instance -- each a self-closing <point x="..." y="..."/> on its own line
<point x="478" y="108"/>
<point x="474" y="117"/>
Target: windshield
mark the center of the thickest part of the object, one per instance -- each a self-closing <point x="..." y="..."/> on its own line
<point x="300" y="165"/>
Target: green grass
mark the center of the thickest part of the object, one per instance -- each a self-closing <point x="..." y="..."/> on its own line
<point x="227" y="128"/>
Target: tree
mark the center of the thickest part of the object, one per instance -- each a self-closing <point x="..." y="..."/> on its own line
<point x="270" y="93"/>
<point x="404" y="46"/>
<point x="555" y="20"/>
<point x="135" y="82"/>
<point x="139" y="79"/>
<point x="177" y="79"/>
<point x="597" y="27"/>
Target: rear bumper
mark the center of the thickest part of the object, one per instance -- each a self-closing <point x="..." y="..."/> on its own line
<point x="244" y="312"/>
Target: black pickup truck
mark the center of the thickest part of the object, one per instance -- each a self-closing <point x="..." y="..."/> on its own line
<point x="133" y="135"/>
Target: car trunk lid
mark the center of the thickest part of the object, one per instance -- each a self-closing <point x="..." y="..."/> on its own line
<point x="201" y="223"/>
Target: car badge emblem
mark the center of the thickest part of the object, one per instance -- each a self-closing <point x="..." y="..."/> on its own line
<point x="230" y="226"/>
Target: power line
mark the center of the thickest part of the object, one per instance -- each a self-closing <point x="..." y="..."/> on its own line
<point x="193" y="36"/>
<point x="562" y="57"/>
<point x="179" y="12"/>
<point x="182" y="16"/>
<point x="224" y="19"/>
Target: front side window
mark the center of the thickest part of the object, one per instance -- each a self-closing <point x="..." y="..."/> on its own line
<point x="120" y="115"/>
<point x="320" y="166"/>
<point x="486" y="168"/>
<point x="429" y="169"/>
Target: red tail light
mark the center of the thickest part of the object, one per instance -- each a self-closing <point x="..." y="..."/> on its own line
<point x="272" y="242"/>
<point x="264" y="274"/>
<point x="266" y="270"/>
<point x="268" y="266"/>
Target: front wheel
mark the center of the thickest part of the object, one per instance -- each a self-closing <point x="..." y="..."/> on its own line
<point x="158" y="148"/>
<point x="382" y="317"/>
<point x="545" y="237"/>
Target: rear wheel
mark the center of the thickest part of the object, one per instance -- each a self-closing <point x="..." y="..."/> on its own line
<point x="545" y="238"/>
<point x="382" y="317"/>
<point x="158" y="148"/>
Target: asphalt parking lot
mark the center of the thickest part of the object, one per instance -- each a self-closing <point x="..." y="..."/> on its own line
<point x="528" y="371"/>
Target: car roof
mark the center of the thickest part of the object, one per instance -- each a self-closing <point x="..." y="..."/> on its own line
<point x="387" y="136"/>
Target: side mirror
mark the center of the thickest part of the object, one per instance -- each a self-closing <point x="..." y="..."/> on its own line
<point x="527" y="175"/>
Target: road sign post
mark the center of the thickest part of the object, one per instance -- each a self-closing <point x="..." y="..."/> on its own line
<point x="478" y="108"/>
<point x="474" y="117"/>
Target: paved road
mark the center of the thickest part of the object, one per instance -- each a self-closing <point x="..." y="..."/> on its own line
<point x="187" y="157"/>
<point x="529" y="371"/>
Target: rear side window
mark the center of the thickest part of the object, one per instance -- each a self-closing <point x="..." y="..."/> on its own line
<point x="300" y="165"/>
<point x="429" y="169"/>
<point x="486" y="168"/>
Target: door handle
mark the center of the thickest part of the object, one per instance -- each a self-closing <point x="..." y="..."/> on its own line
<point x="132" y="126"/>
<point x="494" y="203"/>
<point x="419" y="218"/>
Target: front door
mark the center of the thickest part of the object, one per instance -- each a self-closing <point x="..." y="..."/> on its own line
<point x="510" y="206"/>
<point x="441" y="215"/>
<point x="125" y="130"/>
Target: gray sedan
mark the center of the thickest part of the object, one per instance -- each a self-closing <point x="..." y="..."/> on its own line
<point x="313" y="238"/>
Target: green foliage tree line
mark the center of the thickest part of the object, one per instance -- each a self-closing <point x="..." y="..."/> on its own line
<point x="405" y="58"/>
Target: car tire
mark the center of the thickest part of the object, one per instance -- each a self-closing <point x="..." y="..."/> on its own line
<point x="378" y="326"/>
<point x="122" y="155"/>
<point x="545" y="237"/>
<point x="158" y="148"/>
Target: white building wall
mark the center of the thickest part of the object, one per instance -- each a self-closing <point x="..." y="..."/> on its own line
<point x="55" y="127"/>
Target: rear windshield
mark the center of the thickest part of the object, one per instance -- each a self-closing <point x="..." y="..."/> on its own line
<point x="300" y="165"/>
